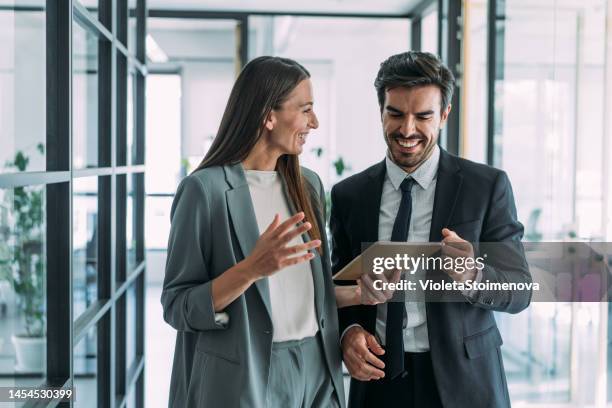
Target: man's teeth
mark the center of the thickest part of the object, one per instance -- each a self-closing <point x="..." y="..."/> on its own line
<point x="302" y="136"/>
<point x="408" y="143"/>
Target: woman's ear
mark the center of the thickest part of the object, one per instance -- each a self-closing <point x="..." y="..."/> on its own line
<point x="270" y="121"/>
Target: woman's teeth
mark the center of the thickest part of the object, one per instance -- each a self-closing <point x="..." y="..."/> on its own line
<point x="408" y="143"/>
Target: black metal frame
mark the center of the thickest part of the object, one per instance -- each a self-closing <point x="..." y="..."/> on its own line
<point x="115" y="381"/>
<point x="495" y="68"/>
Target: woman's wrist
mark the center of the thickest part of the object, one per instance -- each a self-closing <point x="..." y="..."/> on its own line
<point x="245" y="272"/>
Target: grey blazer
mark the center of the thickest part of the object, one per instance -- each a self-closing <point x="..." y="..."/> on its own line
<point x="222" y="362"/>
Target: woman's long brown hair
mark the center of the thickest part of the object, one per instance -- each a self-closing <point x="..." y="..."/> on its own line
<point x="263" y="85"/>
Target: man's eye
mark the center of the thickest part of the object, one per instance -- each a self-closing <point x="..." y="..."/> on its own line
<point x="427" y="117"/>
<point x="307" y="110"/>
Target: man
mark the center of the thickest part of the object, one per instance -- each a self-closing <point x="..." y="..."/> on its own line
<point x="425" y="354"/>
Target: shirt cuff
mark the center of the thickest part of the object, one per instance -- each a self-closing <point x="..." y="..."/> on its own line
<point x="222" y="319"/>
<point x="471" y="294"/>
<point x="347" y="329"/>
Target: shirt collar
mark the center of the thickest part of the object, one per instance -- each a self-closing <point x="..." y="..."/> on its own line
<point x="423" y="175"/>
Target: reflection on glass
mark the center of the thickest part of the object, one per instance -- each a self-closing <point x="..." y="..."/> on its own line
<point x="86" y="370"/>
<point x="130" y="238"/>
<point x="22" y="89"/>
<point x="547" y="136"/>
<point x="22" y="286"/>
<point x="85" y="98"/>
<point x="85" y="243"/>
<point x="130" y="323"/>
<point x="537" y="362"/>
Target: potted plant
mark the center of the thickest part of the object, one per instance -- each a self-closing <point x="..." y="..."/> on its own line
<point x="22" y="266"/>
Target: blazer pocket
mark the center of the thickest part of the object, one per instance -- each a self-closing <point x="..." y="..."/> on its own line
<point x="481" y="343"/>
<point x="215" y="346"/>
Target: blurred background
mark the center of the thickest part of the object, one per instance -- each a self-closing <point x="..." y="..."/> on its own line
<point x="106" y="104"/>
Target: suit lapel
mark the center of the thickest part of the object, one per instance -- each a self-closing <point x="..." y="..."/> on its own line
<point x="448" y="186"/>
<point x="371" y="195"/>
<point x="242" y="215"/>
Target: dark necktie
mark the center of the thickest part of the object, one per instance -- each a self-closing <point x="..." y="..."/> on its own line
<point x="394" y="350"/>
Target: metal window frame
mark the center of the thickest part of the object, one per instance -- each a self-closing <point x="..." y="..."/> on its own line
<point x="114" y="380"/>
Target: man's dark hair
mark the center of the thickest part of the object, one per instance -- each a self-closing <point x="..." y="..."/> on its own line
<point x="411" y="69"/>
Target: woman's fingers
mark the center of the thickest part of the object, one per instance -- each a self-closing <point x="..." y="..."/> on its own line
<point x="273" y="225"/>
<point x="296" y="232"/>
<point x="296" y="260"/>
<point x="288" y="224"/>
<point x="296" y="249"/>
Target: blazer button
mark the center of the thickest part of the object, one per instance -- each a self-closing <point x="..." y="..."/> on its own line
<point x="268" y="331"/>
<point x="322" y="323"/>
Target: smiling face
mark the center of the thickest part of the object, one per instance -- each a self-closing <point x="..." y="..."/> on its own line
<point x="289" y="125"/>
<point x="412" y="119"/>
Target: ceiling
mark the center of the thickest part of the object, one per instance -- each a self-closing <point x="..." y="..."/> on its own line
<point x="398" y="7"/>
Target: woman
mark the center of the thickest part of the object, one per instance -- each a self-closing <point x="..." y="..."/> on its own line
<point x="256" y="315"/>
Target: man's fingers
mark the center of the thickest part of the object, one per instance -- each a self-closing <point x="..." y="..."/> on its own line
<point x="360" y="368"/>
<point x="454" y="252"/>
<point x="373" y="345"/>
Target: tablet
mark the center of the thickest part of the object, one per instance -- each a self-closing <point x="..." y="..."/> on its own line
<point x="354" y="269"/>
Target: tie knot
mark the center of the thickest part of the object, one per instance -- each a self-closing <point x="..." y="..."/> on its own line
<point x="406" y="185"/>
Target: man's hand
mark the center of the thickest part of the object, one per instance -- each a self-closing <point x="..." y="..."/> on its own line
<point x="359" y="351"/>
<point x="453" y="246"/>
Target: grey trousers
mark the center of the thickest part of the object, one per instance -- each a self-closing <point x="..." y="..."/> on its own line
<point x="299" y="377"/>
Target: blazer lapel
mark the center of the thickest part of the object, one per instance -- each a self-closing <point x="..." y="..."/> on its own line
<point x="448" y="186"/>
<point x="372" y="194"/>
<point x="242" y="215"/>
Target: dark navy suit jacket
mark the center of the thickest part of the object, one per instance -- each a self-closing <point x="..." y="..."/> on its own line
<point x="476" y="202"/>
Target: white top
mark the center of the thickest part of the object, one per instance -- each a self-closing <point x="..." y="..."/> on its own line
<point x="292" y="288"/>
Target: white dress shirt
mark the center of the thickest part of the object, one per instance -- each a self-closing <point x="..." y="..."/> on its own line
<point x="416" y="338"/>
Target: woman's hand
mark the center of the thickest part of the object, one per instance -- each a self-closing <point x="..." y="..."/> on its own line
<point x="272" y="253"/>
<point x="364" y="293"/>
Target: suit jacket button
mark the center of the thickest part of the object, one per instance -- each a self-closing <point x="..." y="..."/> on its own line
<point x="268" y="331"/>
<point x="322" y="323"/>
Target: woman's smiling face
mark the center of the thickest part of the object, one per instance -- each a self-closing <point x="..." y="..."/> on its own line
<point x="288" y="126"/>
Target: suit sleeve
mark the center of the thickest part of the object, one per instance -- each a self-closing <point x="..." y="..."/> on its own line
<point x="187" y="291"/>
<point x="501" y="241"/>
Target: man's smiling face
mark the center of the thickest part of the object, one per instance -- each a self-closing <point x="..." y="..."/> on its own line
<point x="412" y="119"/>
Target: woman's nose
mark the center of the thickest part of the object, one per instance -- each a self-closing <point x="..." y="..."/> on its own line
<point x="314" y="122"/>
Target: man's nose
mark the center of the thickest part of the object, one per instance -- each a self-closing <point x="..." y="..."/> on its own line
<point x="408" y="127"/>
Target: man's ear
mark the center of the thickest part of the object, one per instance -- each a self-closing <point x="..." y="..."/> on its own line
<point x="270" y="121"/>
<point x="444" y="116"/>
